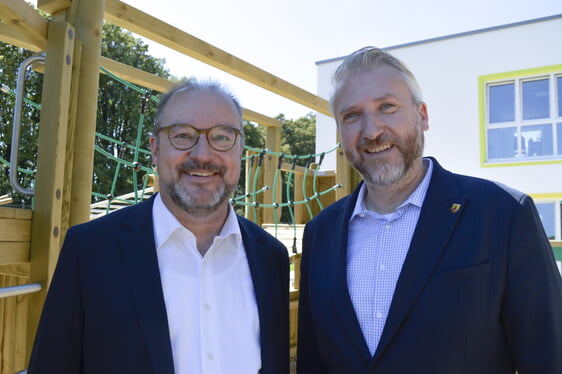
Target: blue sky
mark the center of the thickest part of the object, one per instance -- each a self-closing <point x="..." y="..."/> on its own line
<point x="288" y="37"/>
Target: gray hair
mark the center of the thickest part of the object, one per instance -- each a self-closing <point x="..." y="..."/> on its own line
<point x="368" y="58"/>
<point x="191" y="85"/>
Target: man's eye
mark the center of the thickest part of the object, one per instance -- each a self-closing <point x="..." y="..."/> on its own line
<point x="183" y="136"/>
<point x="350" y="116"/>
<point x="386" y="107"/>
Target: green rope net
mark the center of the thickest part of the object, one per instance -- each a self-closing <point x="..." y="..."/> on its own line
<point x="130" y="157"/>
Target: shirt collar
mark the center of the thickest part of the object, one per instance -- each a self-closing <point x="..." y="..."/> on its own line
<point x="416" y="198"/>
<point x="165" y="224"/>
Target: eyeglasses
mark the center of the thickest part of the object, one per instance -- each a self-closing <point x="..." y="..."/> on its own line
<point x="184" y="137"/>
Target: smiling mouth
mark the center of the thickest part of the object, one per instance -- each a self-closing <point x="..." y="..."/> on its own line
<point x="378" y="149"/>
<point x="200" y="174"/>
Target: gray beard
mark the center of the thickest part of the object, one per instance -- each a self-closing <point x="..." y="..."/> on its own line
<point x="185" y="201"/>
<point x="382" y="174"/>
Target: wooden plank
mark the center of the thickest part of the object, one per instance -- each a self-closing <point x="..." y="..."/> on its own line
<point x="261" y="119"/>
<point x="6" y="212"/>
<point x="15" y="230"/>
<point x="14" y="252"/>
<point x="23" y="214"/>
<point x="273" y="142"/>
<point x="137" y="76"/>
<point x="89" y="25"/>
<point x="26" y="20"/>
<point x="133" y="19"/>
<point x="20" y="330"/>
<point x="53" y="6"/>
<point x="11" y="35"/>
<point x="148" y="80"/>
<point x="2" y="314"/>
<point x="46" y="227"/>
<point x="8" y="338"/>
<point x="15" y="270"/>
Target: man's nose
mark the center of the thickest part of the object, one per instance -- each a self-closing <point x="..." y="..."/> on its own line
<point x="202" y="149"/>
<point x="373" y="126"/>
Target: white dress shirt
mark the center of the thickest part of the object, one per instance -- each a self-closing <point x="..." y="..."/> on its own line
<point x="210" y="301"/>
<point x="376" y="250"/>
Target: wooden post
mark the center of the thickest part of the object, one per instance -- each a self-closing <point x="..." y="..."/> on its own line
<point x="89" y="16"/>
<point x="273" y="142"/>
<point x="343" y="174"/>
<point x="46" y="225"/>
<point x="299" y="196"/>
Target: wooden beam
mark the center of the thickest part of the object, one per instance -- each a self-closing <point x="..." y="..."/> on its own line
<point x="46" y="224"/>
<point x="136" y="76"/>
<point x="89" y="28"/>
<point x="133" y="19"/>
<point x="53" y="6"/>
<point x="26" y="20"/>
<point x="14" y="252"/>
<point x="15" y="230"/>
<point x="11" y="35"/>
<point x="261" y="119"/>
<point x="152" y="81"/>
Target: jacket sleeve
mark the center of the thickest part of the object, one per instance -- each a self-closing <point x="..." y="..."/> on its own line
<point x="58" y="342"/>
<point x="532" y="313"/>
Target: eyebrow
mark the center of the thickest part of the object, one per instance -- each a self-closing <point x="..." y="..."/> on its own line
<point x="376" y="100"/>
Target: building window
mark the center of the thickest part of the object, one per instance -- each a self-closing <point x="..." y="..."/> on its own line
<point x="550" y="213"/>
<point x="546" y="212"/>
<point x="522" y="117"/>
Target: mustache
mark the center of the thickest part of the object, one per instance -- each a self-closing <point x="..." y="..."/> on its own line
<point x="192" y="165"/>
<point x="377" y="142"/>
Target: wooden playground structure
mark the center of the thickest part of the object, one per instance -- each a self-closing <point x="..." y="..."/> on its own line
<point x="70" y="42"/>
<point x="30" y="240"/>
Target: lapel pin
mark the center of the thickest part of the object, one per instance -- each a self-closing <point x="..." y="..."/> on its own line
<point x="455" y="207"/>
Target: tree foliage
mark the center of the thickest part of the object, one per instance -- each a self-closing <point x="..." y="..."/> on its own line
<point x="120" y="113"/>
<point x="123" y="114"/>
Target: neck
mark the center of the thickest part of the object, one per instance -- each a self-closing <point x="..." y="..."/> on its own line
<point x="205" y="228"/>
<point x="385" y="199"/>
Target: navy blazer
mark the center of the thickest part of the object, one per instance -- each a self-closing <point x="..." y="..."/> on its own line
<point x="479" y="291"/>
<point x="105" y="310"/>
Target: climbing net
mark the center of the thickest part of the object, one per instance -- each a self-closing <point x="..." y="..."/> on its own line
<point x="282" y="188"/>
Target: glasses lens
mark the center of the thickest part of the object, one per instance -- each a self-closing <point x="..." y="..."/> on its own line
<point x="222" y="137"/>
<point x="183" y="137"/>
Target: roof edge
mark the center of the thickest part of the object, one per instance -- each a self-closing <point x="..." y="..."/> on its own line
<point x="457" y="35"/>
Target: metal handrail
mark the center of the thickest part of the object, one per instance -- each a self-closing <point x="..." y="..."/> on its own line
<point x="17" y="125"/>
<point x="20" y="290"/>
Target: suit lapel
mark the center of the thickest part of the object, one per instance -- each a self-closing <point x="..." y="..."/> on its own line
<point x="338" y="267"/>
<point x="260" y="264"/>
<point x="440" y="213"/>
<point x="141" y="264"/>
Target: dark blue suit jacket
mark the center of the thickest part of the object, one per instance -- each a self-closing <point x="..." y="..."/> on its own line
<point x="479" y="291"/>
<point x="105" y="309"/>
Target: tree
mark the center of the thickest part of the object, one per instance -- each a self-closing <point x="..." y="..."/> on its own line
<point x="120" y="113"/>
<point x="298" y="136"/>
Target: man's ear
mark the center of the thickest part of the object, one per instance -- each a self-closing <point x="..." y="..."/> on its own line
<point x="424" y="117"/>
<point x="154" y="148"/>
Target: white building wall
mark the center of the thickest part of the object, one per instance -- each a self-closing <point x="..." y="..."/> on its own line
<point x="448" y="70"/>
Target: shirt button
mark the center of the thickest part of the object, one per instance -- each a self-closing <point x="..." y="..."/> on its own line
<point x="382" y="267"/>
<point x="387" y="226"/>
<point x="207" y="307"/>
<point x="379" y="315"/>
<point x="210" y="356"/>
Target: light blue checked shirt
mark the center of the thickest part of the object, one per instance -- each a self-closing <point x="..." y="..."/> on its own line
<point x="376" y="249"/>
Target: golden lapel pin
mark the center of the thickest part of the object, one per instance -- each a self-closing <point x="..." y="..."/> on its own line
<point x="455" y="207"/>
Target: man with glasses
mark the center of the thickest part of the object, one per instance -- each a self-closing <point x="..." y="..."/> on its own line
<point x="180" y="283"/>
